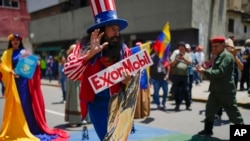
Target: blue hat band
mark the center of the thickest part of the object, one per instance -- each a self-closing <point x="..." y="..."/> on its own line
<point x="105" y="16"/>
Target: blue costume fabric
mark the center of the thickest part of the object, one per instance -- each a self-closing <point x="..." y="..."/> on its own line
<point x="97" y="104"/>
<point x="24" y="95"/>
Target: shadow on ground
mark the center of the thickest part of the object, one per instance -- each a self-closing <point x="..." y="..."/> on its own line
<point x="62" y="126"/>
<point x="147" y="120"/>
<point x="246" y="106"/>
<point x="54" y="103"/>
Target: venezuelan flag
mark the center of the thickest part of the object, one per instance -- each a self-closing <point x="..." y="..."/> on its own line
<point x="162" y="41"/>
<point x="166" y="55"/>
<point x="144" y="80"/>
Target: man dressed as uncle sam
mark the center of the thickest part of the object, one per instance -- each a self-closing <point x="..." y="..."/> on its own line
<point x="106" y="49"/>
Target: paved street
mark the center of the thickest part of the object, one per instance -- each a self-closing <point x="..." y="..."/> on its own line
<point x="160" y="125"/>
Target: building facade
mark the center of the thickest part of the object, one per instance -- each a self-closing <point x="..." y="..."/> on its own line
<point x="193" y="21"/>
<point x="14" y="18"/>
<point x="238" y="21"/>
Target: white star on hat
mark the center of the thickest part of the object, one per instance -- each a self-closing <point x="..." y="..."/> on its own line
<point x="98" y="20"/>
<point x="114" y="16"/>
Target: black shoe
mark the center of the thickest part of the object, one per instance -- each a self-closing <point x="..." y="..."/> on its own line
<point x="242" y="89"/>
<point x="163" y="107"/>
<point x="79" y="125"/>
<point x="205" y="133"/>
<point x="177" y="108"/>
<point x="217" y="117"/>
<point x="158" y="107"/>
<point x="153" y="102"/>
<point x="188" y="108"/>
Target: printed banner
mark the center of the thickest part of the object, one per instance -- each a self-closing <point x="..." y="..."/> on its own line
<point x="113" y="74"/>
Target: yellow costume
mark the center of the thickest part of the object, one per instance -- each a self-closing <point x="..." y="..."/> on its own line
<point x="14" y="126"/>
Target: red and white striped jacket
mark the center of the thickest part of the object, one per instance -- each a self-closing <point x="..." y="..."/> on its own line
<point x="74" y="66"/>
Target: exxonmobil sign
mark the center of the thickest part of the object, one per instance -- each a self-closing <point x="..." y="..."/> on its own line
<point x="114" y="74"/>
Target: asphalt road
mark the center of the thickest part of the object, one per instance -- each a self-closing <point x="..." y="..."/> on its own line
<point x="186" y="122"/>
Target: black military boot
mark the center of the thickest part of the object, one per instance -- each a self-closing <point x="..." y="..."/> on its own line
<point x="208" y="130"/>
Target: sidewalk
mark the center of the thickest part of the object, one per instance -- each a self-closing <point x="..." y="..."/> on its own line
<point x="48" y="83"/>
<point x="199" y="93"/>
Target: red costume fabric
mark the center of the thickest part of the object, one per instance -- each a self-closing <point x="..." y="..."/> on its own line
<point x="38" y="107"/>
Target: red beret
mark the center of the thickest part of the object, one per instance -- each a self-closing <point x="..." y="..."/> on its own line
<point x="218" y="39"/>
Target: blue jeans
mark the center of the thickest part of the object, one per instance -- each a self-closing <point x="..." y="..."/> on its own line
<point x="63" y="87"/>
<point x="197" y="78"/>
<point x="157" y="84"/>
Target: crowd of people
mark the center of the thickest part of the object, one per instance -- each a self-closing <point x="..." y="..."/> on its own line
<point x="103" y="47"/>
<point x="189" y="57"/>
<point x="49" y="67"/>
<point x="188" y="67"/>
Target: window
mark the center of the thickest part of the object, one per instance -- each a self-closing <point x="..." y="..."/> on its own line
<point x="9" y="3"/>
<point x="231" y="25"/>
<point x="245" y="29"/>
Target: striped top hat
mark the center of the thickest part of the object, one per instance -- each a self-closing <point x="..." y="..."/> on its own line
<point x="104" y="12"/>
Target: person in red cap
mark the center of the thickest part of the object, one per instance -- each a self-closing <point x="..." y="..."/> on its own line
<point x="222" y="87"/>
<point x="106" y="48"/>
